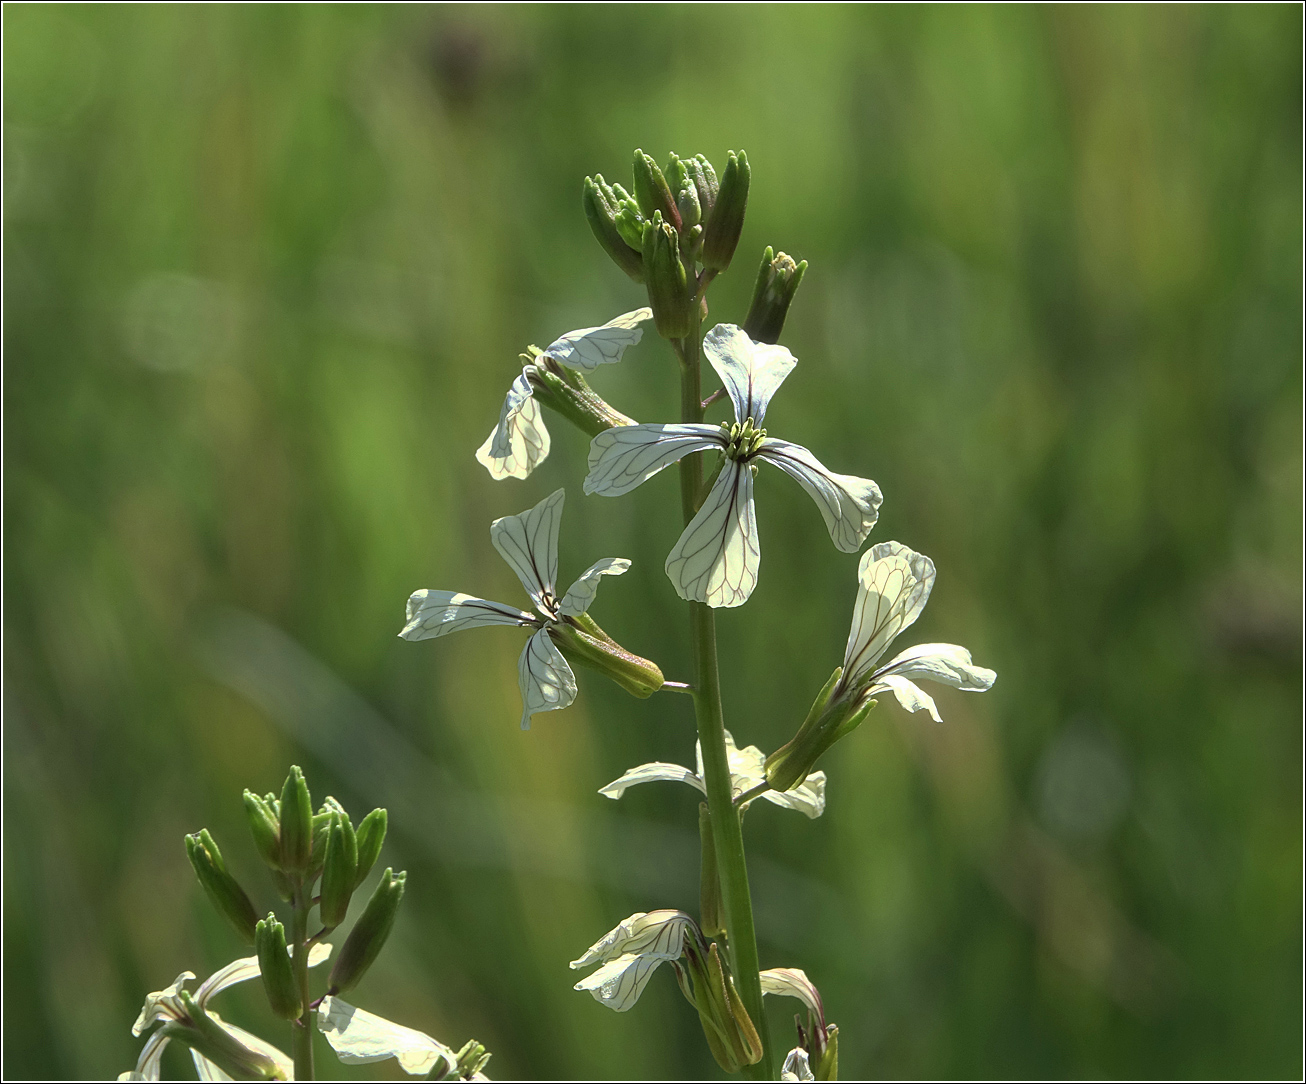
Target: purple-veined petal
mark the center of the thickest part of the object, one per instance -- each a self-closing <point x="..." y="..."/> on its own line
<point x="910" y="695"/>
<point x="717" y="557"/>
<point x="546" y="680"/>
<point x="893" y="584"/>
<point x="622" y="457"/>
<point x="520" y="442"/>
<point x="359" y="1037"/>
<point x="948" y="664"/>
<point x="849" y="505"/>
<point x="580" y="595"/>
<point x="750" y="371"/>
<point x="529" y="543"/>
<point x="590" y="347"/>
<point x="645" y="933"/>
<point x="437" y="613"/>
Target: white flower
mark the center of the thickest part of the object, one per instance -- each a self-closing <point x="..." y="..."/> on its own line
<point x="359" y="1037"/>
<point x="747" y="770"/>
<point x="893" y="585"/>
<point x="717" y="557"/>
<point x="529" y="543"/>
<point x="630" y="954"/>
<point x="796" y="1066"/>
<point x="520" y="442"/>
<point x="793" y="982"/>
<point x="165" y="1006"/>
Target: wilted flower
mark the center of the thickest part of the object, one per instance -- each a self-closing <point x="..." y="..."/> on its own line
<point x="716" y="560"/>
<point x="359" y="1037"/>
<point x="630" y="954"/>
<point x="818" y="1042"/>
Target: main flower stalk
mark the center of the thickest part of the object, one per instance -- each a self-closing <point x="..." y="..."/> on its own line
<point x="727" y="832"/>
<point x="301" y="1043"/>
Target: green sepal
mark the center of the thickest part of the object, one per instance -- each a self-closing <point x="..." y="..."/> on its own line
<point x="729" y="1030"/>
<point x="602" y="205"/>
<point x="726" y="223"/>
<point x="567" y="393"/>
<point x="369" y="934"/>
<point x="275" y="969"/>
<point x="322" y="821"/>
<point x="265" y="829"/>
<point x="826" y="1067"/>
<point x="204" y="1035"/>
<point x="370" y="836"/>
<point x="652" y="192"/>
<point x="829" y="719"/>
<point x="711" y="915"/>
<point x="339" y="873"/>
<point x="582" y="642"/>
<point x="296" y="822"/>
<point x="223" y="890"/>
<point x="773" y="293"/>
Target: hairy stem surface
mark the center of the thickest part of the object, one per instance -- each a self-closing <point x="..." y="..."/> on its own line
<point x="727" y="832"/>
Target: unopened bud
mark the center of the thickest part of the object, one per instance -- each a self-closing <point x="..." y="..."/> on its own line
<point x="370" y="836"/>
<point x="566" y="392"/>
<point x="296" y="822"/>
<point x="669" y="292"/>
<point x="722" y="230"/>
<point x="207" y="1037"/>
<point x="652" y="192"/>
<point x="710" y="918"/>
<point x="684" y="191"/>
<point x="582" y="641"/>
<point x="729" y="1030"/>
<point x="705" y="182"/>
<point x="369" y="933"/>
<point x="221" y="887"/>
<point x="601" y="209"/>
<point x="264" y="828"/>
<point x="275" y="969"/>
<point x="777" y="282"/>
<point x="829" y="719"/>
<point x="339" y="872"/>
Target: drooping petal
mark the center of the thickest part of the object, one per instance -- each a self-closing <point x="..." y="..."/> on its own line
<point x="717" y="557"/>
<point x="658" y="933"/>
<point x="207" y="1070"/>
<point x="750" y="371"/>
<point x="580" y="595"/>
<point x="893" y="584"/>
<point x="796" y="1066"/>
<point x="148" y="1065"/>
<point x="910" y="695"/>
<point x="359" y="1037"/>
<point x="591" y="347"/>
<point x="546" y="680"/>
<point x="793" y="982"/>
<point x="529" y="543"/>
<point x="808" y="797"/>
<point x="618" y="983"/>
<point x="849" y="505"/>
<point x="657" y="771"/>
<point x="520" y="442"/>
<point x="622" y="457"/>
<point x="436" y="613"/>
<point x="948" y="664"/>
<point x="163" y="1004"/>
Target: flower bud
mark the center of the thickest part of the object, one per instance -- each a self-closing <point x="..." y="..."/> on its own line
<point x="829" y="719"/>
<point x="566" y="392"/>
<point x="710" y="918"/>
<point x="704" y="177"/>
<point x="339" y="872"/>
<point x="729" y="1030"/>
<point x="652" y="192"/>
<point x="369" y="933"/>
<point x="370" y="836"/>
<point x="777" y="282"/>
<point x="275" y="968"/>
<point x="321" y="832"/>
<point x="582" y="641"/>
<point x="721" y="233"/>
<point x="296" y="822"/>
<point x="264" y="828"/>
<point x="684" y="191"/>
<point x="669" y="292"/>
<point x="221" y="887"/>
<point x="601" y="208"/>
<point x="205" y="1036"/>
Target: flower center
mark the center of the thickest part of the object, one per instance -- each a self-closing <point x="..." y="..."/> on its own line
<point x="742" y="439"/>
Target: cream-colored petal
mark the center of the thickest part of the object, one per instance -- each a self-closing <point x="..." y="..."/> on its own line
<point x="580" y="595"/>
<point x="717" y="557"/>
<point x="652" y="773"/>
<point x="163" y="1004"/>
<point x="807" y="798"/>
<point x="793" y="982"/>
<point x="948" y="664"/>
<point x="529" y="543"/>
<point x="618" y="983"/>
<point x="359" y="1037"/>
<point x="438" y="613"/>
<point x="590" y="347"/>
<point x="750" y="371"/>
<point x="623" y="457"/>
<point x="148" y="1065"/>
<point x="796" y="1066"/>
<point x="659" y="933"/>
<point x="849" y="505"/>
<point x="545" y="679"/>
<point x="910" y="695"/>
<point x="893" y="585"/>
<point x="520" y="441"/>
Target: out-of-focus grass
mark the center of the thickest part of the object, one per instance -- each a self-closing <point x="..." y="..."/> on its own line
<point x="267" y="271"/>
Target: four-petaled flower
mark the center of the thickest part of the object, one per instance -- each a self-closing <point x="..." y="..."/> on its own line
<point x="893" y="584"/>
<point x="529" y="543"/>
<point x="716" y="560"/>
<point x="520" y="442"/>
<point x="747" y="770"/>
<point x="630" y="954"/>
<point x="166" y="1007"/>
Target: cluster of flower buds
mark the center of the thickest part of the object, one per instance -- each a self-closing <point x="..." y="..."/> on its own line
<point x="675" y="221"/>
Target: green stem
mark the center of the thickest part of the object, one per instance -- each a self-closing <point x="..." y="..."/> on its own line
<point x="727" y="833"/>
<point x="302" y="1029"/>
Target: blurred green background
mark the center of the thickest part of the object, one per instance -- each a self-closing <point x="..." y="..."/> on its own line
<point x="267" y="272"/>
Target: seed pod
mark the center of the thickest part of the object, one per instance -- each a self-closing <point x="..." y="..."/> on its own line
<point x="264" y="828"/>
<point x="221" y="887"/>
<point x="339" y="873"/>
<point x="370" y="836"/>
<point x="275" y="968"/>
<point x="369" y="933"/>
<point x="296" y="822"/>
<point x="721" y="234"/>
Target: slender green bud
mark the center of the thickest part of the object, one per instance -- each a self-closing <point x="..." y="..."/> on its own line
<point x="684" y="192"/>
<point x="729" y="1030"/>
<point x="705" y="182"/>
<point x="777" y="282"/>
<point x="601" y="208"/>
<point x="204" y="1035"/>
<point x="566" y="392"/>
<point x="264" y="828"/>
<point x="369" y="933"/>
<point x="826" y="1066"/>
<point x="711" y="916"/>
<point x="582" y="641"/>
<point x="652" y="192"/>
<point x="721" y="234"/>
<point x="275" y="968"/>
<point x="829" y="719"/>
<point x="339" y="873"/>
<point x="630" y="224"/>
<point x="669" y="292"/>
<point x="296" y="822"/>
<point x="370" y="836"/>
<point x="221" y="887"/>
